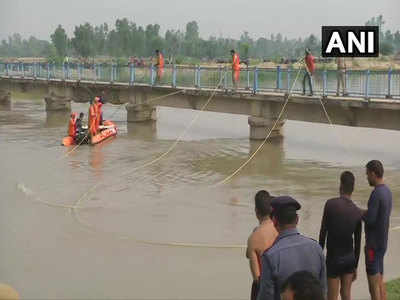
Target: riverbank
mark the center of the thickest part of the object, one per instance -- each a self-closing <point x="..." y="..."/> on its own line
<point x="393" y="289"/>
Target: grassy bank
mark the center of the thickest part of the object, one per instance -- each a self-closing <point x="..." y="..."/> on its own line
<point x="393" y="289"/>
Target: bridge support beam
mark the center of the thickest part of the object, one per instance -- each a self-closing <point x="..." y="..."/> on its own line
<point x="140" y="112"/>
<point x="59" y="99"/>
<point x="5" y="97"/>
<point x="260" y="128"/>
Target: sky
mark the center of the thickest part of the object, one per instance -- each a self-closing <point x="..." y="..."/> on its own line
<point x="227" y="18"/>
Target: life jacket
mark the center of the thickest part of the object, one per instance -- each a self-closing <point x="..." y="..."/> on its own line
<point x="92" y="118"/>
<point x="72" y="126"/>
<point x="98" y="114"/>
<point x="160" y="60"/>
<point x="236" y="62"/>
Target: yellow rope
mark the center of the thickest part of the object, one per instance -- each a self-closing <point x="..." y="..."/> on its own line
<point x="28" y="193"/>
<point x="182" y="244"/>
<point x="266" y="138"/>
<point x="179" y="139"/>
<point x="155" y="243"/>
<point x="330" y="122"/>
<point x="162" y="155"/>
<point x="37" y="199"/>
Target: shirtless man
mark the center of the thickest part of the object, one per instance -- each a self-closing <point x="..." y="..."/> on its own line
<point x="261" y="239"/>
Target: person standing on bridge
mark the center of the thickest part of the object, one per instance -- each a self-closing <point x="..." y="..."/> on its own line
<point x="235" y="69"/>
<point x="341" y="75"/>
<point x="377" y="220"/>
<point x="310" y="68"/>
<point x="261" y="239"/>
<point x="160" y="65"/>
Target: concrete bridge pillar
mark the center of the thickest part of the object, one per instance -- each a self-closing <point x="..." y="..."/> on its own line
<point x="260" y="127"/>
<point x="263" y="119"/>
<point x="140" y="110"/>
<point x="58" y="98"/>
<point x="5" y="97"/>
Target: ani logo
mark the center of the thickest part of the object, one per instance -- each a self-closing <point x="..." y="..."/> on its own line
<point x="350" y="41"/>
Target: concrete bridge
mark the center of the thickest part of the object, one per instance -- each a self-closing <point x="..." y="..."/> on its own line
<point x="261" y="105"/>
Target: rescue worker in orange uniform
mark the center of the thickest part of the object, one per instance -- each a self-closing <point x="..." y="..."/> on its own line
<point x="92" y="118"/>
<point x="98" y="104"/>
<point x="235" y="69"/>
<point x="72" y="126"/>
<point x="160" y="65"/>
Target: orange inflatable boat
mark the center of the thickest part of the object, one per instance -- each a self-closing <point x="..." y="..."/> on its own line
<point x="107" y="130"/>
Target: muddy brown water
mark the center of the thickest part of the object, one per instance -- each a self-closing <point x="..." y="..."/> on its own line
<point x="118" y="243"/>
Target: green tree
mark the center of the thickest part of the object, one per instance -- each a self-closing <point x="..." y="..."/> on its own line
<point x="192" y="39"/>
<point x="60" y="41"/>
<point x="83" y="40"/>
<point x="124" y="36"/>
<point x="313" y="44"/>
<point x="386" y="48"/>
<point x="244" y="50"/>
<point x="100" y="38"/>
<point x="153" y="39"/>
<point x="396" y="40"/>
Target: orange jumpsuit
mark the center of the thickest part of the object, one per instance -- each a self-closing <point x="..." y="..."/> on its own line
<point x="72" y="126"/>
<point x="235" y="67"/>
<point x="98" y="114"/>
<point x="92" y="119"/>
<point x="160" y="64"/>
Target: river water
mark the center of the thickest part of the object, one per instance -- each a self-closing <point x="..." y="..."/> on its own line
<point x="119" y="242"/>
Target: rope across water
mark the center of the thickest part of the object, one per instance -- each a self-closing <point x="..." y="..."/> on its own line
<point x="78" y="205"/>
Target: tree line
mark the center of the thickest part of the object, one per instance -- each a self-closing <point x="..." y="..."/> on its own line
<point x="127" y="39"/>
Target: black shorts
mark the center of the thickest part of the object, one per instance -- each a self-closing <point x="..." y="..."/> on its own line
<point x="254" y="290"/>
<point x="338" y="266"/>
<point x="374" y="261"/>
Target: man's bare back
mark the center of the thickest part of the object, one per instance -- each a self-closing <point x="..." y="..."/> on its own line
<point x="260" y="240"/>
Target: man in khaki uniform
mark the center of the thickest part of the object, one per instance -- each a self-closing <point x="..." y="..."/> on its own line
<point x="341" y="75"/>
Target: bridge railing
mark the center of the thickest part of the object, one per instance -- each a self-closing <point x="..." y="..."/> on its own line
<point x="362" y="83"/>
<point x="393" y="83"/>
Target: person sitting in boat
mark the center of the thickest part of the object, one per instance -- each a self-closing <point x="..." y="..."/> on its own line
<point x="79" y="122"/>
<point x="72" y="126"/>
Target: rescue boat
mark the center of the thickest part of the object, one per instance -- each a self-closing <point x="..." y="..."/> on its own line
<point x="107" y="130"/>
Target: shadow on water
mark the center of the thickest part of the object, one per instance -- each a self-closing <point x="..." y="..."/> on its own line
<point x="268" y="160"/>
<point x="143" y="131"/>
<point x="56" y="119"/>
<point x="5" y="106"/>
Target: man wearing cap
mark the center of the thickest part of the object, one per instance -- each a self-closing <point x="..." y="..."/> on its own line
<point x="291" y="252"/>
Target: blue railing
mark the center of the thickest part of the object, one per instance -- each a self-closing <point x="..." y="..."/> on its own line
<point x="365" y="83"/>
